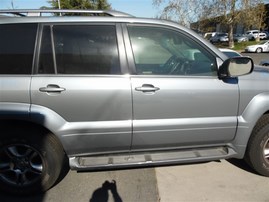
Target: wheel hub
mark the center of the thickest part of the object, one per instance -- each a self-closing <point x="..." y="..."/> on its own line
<point x="20" y="164"/>
<point x="266" y="151"/>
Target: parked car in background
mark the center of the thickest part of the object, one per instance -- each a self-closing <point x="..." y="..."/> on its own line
<point x="230" y="53"/>
<point x="209" y="35"/>
<point x="262" y="35"/>
<point x="267" y="34"/>
<point x="252" y="34"/>
<point x="240" y="38"/>
<point x="219" y="37"/>
<point x="258" y="48"/>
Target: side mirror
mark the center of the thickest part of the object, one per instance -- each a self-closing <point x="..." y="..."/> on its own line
<point x="234" y="67"/>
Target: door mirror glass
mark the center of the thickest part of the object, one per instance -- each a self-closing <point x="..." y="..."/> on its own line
<point x="235" y="67"/>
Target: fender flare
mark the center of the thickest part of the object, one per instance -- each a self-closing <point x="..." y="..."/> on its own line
<point x="257" y="107"/>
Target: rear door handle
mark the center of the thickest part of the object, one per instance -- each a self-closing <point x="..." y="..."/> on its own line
<point x="52" y="88"/>
<point x="147" y="88"/>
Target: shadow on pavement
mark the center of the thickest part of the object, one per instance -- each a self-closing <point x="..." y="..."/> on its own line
<point x="101" y="194"/>
<point x="240" y="163"/>
<point x="5" y="197"/>
<point x="9" y="198"/>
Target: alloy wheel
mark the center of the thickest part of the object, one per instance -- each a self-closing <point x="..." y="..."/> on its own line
<point x="20" y="165"/>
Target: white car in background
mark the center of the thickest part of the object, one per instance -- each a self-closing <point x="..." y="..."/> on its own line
<point x="258" y="48"/>
<point x="252" y="34"/>
<point x="262" y="36"/>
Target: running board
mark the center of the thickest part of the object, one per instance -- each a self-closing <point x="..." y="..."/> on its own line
<point x="126" y="160"/>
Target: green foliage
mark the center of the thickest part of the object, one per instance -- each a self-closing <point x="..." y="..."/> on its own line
<point x="238" y="46"/>
<point x="81" y="4"/>
<point x="243" y="45"/>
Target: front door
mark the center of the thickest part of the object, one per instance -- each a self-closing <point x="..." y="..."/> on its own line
<point x="178" y="100"/>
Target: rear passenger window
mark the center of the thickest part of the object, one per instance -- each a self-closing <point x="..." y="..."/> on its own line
<point x="17" y="42"/>
<point x="80" y="49"/>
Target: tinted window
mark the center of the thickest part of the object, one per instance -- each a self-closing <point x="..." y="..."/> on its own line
<point x="160" y="51"/>
<point x="85" y="49"/>
<point x="17" y="42"/>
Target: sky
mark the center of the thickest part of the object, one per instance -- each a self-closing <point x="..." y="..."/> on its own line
<point x="138" y="8"/>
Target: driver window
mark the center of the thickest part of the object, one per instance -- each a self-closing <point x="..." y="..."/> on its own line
<point x="159" y="51"/>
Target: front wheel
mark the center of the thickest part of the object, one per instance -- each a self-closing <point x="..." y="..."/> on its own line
<point x="259" y="50"/>
<point x="30" y="161"/>
<point x="257" y="154"/>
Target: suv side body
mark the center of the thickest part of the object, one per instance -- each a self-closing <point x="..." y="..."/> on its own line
<point x="114" y="92"/>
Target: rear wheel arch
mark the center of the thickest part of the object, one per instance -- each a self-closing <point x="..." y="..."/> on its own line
<point x="27" y="125"/>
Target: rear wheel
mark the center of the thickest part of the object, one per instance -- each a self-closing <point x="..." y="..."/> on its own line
<point x="30" y="161"/>
<point x="257" y="154"/>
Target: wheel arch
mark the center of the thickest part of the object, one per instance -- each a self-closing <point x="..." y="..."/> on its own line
<point x="32" y="116"/>
<point x="251" y="115"/>
<point x="26" y="125"/>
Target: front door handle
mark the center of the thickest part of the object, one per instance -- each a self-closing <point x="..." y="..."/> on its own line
<point x="51" y="88"/>
<point x="147" y="88"/>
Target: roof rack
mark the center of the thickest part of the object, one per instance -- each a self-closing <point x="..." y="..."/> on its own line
<point x="39" y="12"/>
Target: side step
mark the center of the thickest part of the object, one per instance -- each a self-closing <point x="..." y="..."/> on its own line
<point x="103" y="162"/>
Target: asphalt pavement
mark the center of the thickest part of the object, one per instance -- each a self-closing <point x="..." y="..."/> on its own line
<point x="223" y="180"/>
<point x="257" y="57"/>
<point x="111" y="186"/>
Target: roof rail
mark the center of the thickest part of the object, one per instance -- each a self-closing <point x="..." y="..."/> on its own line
<point x="39" y="12"/>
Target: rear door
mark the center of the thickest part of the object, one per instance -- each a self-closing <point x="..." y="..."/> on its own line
<point x="178" y="99"/>
<point x="80" y="79"/>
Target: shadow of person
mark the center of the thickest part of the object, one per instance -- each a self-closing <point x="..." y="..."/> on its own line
<point x="101" y="194"/>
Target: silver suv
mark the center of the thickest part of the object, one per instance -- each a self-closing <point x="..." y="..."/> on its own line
<point x="110" y="91"/>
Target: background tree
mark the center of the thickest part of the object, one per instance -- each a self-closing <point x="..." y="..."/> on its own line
<point x="81" y="4"/>
<point x="182" y="11"/>
<point x="257" y="9"/>
<point x="223" y="12"/>
<point x="228" y="14"/>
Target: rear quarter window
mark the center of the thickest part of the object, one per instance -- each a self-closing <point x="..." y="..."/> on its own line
<point x="17" y="42"/>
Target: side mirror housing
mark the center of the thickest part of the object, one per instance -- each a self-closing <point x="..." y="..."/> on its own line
<point x="234" y="67"/>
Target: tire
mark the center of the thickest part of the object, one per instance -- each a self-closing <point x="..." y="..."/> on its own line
<point x="259" y="50"/>
<point x="30" y="160"/>
<point x="257" y="153"/>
